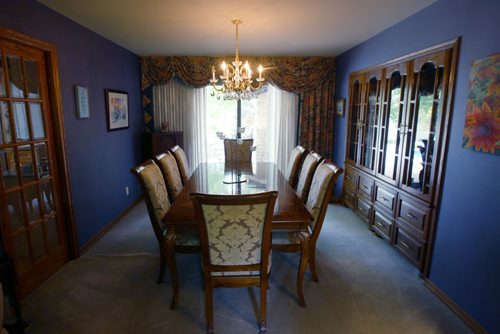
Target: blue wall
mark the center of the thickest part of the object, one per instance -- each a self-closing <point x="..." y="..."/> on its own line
<point x="466" y="259"/>
<point x="99" y="161"/>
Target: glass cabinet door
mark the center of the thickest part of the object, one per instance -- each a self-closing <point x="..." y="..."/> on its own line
<point x="391" y="129"/>
<point x="369" y="122"/>
<point x="355" y="107"/>
<point x="423" y="124"/>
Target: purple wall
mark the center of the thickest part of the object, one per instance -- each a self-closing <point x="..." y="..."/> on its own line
<point x="99" y="161"/>
<point x="466" y="259"/>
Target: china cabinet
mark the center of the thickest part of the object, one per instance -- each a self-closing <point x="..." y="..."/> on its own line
<point x="396" y="146"/>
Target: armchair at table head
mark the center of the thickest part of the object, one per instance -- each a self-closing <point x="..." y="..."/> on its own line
<point x="182" y="162"/>
<point x="238" y="150"/>
<point x="235" y="237"/>
<point x="293" y="167"/>
<point x="309" y="166"/>
<point x="170" y="170"/>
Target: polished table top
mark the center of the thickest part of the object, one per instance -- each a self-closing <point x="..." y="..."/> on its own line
<point x="234" y="179"/>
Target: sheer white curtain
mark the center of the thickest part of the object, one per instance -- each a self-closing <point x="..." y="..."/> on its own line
<point x="184" y="108"/>
<point x="282" y="120"/>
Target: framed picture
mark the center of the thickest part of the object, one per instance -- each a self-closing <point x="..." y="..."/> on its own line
<point x="82" y="102"/>
<point x="116" y="109"/>
<point x="340" y="107"/>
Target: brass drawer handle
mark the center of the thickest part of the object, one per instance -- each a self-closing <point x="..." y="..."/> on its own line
<point x="385" y="199"/>
<point x="366" y="187"/>
<point x="411" y="216"/>
<point x="381" y="225"/>
<point x="349" y="177"/>
<point x="361" y="209"/>
<point x="405" y="244"/>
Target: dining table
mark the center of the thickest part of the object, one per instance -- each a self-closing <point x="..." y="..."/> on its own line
<point x="233" y="178"/>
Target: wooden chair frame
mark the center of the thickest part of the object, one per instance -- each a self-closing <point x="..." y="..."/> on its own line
<point x="161" y="236"/>
<point x="235" y="281"/>
<point x="307" y="240"/>
<point x="228" y="152"/>
<point x="296" y="165"/>
<point x="176" y="151"/>
<point x="157" y="159"/>
<point x="310" y="174"/>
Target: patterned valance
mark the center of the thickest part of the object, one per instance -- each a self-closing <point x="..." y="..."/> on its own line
<point x="293" y="74"/>
<point x="311" y="77"/>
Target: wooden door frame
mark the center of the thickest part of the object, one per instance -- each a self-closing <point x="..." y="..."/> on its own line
<point x="50" y="57"/>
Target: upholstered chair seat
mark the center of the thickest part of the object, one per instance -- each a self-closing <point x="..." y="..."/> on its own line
<point x="234" y="152"/>
<point x="171" y="174"/>
<point x="155" y="193"/>
<point x="235" y="236"/>
<point x="293" y="167"/>
<point x="317" y="201"/>
<point x="311" y="161"/>
<point x="182" y="163"/>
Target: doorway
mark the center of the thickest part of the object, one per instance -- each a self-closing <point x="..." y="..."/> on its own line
<point x="36" y="220"/>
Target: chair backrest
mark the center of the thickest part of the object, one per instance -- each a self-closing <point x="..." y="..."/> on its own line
<point x="171" y="174"/>
<point x="234" y="152"/>
<point x="155" y="194"/>
<point x="235" y="232"/>
<point x="292" y="170"/>
<point x="182" y="162"/>
<point x="321" y="191"/>
<point x="307" y="170"/>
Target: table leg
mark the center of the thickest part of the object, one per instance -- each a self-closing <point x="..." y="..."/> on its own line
<point x="172" y="267"/>
<point x="304" y="256"/>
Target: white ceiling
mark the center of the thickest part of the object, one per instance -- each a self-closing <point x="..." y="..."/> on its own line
<point x="270" y="27"/>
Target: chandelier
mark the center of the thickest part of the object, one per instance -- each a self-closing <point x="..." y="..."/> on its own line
<point x="237" y="82"/>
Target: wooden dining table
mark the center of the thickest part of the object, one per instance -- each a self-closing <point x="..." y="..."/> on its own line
<point x="290" y="213"/>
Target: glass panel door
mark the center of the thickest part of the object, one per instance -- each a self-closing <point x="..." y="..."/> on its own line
<point x="32" y="217"/>
<point x="424" y="123"/>
<point x="354" y="119"/>
<point x="391" y="125"/>
<point x="370" y="124"/>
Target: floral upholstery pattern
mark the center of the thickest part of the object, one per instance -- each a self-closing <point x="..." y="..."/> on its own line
<point x="173" y="177"/>
<point x="238" y="152"/>
<point x="180" y="157"/>
<point x="292" y="170"/>
<point x="306" y="174"/>
<point x="235" y="233"/>
<point x="156" y="191"/>
<point x="319" y="185"/>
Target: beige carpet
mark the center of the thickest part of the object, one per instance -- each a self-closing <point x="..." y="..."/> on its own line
<point x="365" y="287"/>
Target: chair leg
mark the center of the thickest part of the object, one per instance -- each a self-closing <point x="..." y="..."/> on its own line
<point x="304" y="255"/>
<point x="209" y="307"/>
<point x="264" y="284"/>
<point x="312" y="262"/>
<point x="173" y="268"/>
<point x="163" y="266"/>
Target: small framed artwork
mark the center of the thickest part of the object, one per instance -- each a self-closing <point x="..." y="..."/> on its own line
<point x="82" y="102"/>
<point x="340" y="107"/>
<point x="116" y="109"/>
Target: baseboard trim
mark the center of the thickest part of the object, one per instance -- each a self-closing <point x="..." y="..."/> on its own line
<point x="108" y="227"/>
<point x="469" y="321"/>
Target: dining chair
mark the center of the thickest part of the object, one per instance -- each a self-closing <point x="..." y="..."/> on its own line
<point x="307" y="170"/>
<point x="234" y="152"/>
<point x="155" y="195"/>
<point x="182" y="162"/>
<point x="235" y="238"/>
<point x="171" y="174"/>
<point x="323" y="182"/>
<point x="293" y="167"/>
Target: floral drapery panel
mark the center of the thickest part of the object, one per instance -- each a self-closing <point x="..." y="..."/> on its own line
<point x="311" y="77"/>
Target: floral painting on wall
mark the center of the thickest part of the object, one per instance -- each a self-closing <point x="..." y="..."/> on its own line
<point x="482" y="118"/>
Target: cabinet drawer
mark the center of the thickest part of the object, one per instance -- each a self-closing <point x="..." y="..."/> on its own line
<point x="382" y="225"/>
<point x="385" y="197"/>
<point x="363" y="208"/>
<point x="349" y="197"/>
<point x="412" y="248"/>
<point x="350" y="178"/>
<point x="414" y="215"/>
<point x="365" y="185"/>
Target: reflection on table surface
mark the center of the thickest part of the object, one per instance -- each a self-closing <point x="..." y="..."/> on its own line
<point x="237" y="179"/>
